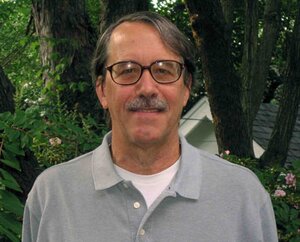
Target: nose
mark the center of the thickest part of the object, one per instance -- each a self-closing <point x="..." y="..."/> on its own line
<point x="146" y="86"/>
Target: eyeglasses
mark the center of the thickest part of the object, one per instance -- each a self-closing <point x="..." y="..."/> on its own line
<point x="130" y="72"/>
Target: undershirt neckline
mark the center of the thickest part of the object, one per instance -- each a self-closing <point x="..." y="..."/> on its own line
<point x="151" y="186"/>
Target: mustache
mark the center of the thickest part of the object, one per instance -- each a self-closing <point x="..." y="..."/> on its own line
<point x="143" y="102"/>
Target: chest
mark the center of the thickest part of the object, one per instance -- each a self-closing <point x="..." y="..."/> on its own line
<point x="121" y="214"/>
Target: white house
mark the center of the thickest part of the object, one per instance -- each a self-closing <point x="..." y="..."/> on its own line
<point x="196" y="125"/>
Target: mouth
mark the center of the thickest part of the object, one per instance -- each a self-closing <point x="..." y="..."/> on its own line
<point x="147" y="110"/>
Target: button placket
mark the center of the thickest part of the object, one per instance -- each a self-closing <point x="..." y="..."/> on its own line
<point x="136" y="209"/>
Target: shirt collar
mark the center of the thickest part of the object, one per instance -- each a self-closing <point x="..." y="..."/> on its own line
<point x="187" y="180"/>
<point x="103" y="170"/>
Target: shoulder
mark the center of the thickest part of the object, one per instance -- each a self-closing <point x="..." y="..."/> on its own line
<point x="221" y="175"/>
<point x="71" y="168"/>
<point x="62" y="177"/>
<point x="214" y="164"/>
<point x="232" y="178"/>
<point x="222" y="167"/>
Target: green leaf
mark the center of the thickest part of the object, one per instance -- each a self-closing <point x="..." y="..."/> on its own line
<point x="73" y="128"/>
<point x="295" y="239"/>
<point x="25" y="141"/>
<point x="14" y="148"/>
<point x="3" y="125"/>
<point x="296" y="164"/>
<point x="19" y="118"/>
<point x="10" y="160"/>
<point x="9" y="181"/>
<point x="12" y="163"/>
<point x="10" y="202"/>
<point x="9" y="221"/>
<point x="5" y="116"/>
<point x="294" y="214"/>
<point x="12" y="134"/>
<point x="38" y="128"/>
<point x="9" y="234"/>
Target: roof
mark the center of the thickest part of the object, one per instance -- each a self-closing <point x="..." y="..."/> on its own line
<point x="263" y="126"/>
<point x="196" y="125"/>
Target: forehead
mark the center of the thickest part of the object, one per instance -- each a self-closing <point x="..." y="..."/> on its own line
<point x="138" y="40"/>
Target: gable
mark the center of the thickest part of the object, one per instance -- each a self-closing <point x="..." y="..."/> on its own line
<point x="196" y="125"/>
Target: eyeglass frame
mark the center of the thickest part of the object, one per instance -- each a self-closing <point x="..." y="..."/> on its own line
<point x="109" y="68"/>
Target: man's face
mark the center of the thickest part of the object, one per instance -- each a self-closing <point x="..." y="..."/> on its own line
<point x="143" y="126"/>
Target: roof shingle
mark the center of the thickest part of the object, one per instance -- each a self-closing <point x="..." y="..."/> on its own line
<point x="263" y="126"/>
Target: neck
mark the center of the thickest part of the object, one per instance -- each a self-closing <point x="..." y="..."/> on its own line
<point x="145" y="160"/>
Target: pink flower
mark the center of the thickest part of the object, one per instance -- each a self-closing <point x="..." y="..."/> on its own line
<point x="290" y="179"/>
<point x="227" y="152"/>
<point x="279" y="193"/>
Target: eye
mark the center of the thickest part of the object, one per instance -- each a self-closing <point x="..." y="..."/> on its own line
<point x="162" y="71"/>
<point x="161" y="68"/>
<point x="126" y="69"/>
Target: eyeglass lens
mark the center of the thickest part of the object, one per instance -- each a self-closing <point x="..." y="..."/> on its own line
<point x="126" y="73"/>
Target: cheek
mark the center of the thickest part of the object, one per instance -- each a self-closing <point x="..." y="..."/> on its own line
<point x="179" y="97"/>
<point x="117" y="98"/>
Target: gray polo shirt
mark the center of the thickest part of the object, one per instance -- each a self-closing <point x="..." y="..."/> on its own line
<point x="208" y="200"/>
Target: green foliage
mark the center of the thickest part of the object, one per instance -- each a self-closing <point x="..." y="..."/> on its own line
<point x="175" y="11"/>
<point x="284" y="186"/>
<point x="53" y="136"/>
<point x="12" y="142"/>
<point x="19" y="50"/>
<point x="94" y="8"/>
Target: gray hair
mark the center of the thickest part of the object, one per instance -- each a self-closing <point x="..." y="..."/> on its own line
<point x="169" y="33"/>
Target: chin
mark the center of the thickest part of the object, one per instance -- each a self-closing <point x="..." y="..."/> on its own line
<point x="146" y="136"/>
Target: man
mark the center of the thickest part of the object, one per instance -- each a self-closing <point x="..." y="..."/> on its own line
<point x="145" y="183"/>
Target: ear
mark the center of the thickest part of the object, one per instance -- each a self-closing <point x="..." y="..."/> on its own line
<point x="187" y="91"/>
<point x="101" y="91"/>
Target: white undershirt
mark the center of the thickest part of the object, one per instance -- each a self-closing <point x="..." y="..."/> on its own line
<point x="151" y="186"/>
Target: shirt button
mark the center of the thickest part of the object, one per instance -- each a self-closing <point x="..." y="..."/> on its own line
<point x="142" y="232"/>
<point x="125" y="185"/>
<point x="136" y="205"/>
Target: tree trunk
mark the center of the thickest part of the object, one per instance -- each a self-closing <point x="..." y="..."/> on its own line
<point x="112" y="10"/>
<point x="277" y="150"/>
<point x="7" y="91"/>
<point x="222" y="84"/>
<point x="67" y="42"/>
<point x="249" y="57"/>
<point x="228" y="7"/>
<point x="264" y="54"/>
